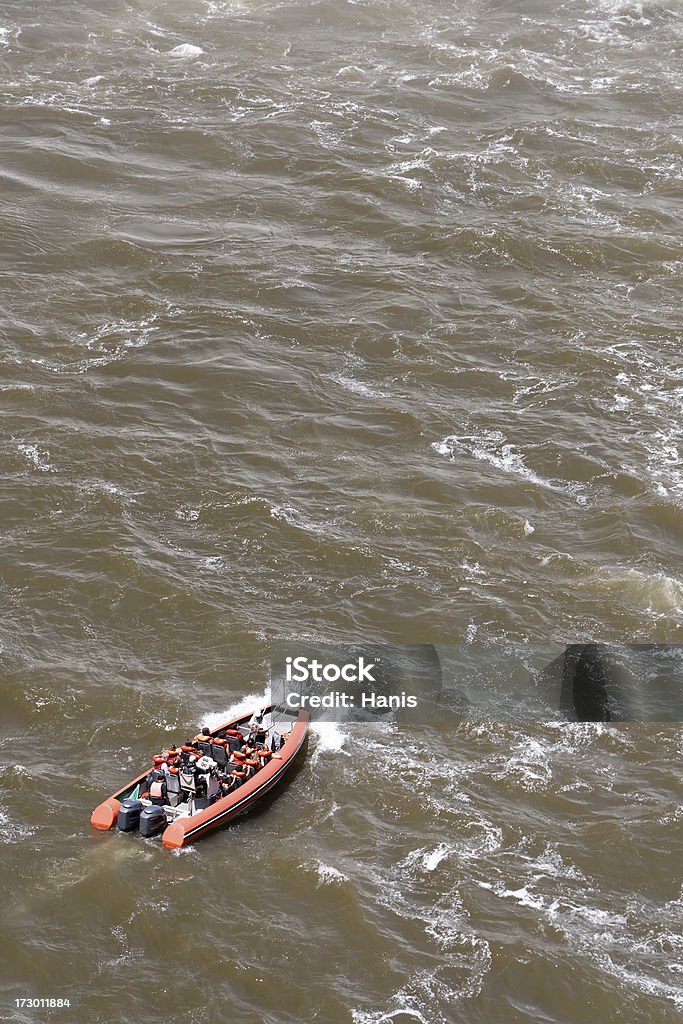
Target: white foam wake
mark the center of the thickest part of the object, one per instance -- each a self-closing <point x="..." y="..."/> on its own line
<point x="329" y="736"/>
<point x="241" y="707"/>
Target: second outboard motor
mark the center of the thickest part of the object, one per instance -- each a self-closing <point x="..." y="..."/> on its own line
<point x="129" y="815"/>
<point x="152" y="821"/>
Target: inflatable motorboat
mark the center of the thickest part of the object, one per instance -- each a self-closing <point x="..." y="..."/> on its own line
<point x="193" y="790"/>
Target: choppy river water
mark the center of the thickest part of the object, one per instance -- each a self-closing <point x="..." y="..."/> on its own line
<point x="340" y="320"/>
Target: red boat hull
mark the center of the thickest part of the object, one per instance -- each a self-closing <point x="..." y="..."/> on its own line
<point x="183" y="831"/>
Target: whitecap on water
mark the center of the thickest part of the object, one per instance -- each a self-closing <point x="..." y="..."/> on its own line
<point x="39" y="458"/>
<point x="7" y="34"/>
<point x="429" y="995"/>
<point x="12" y="831"/>
<point x="295" y="517"/>
<point x="606" y="935"/>
<point x="522" y="896"/>
<point x="329" y="875"/>
<point x="185" y="51"/>
<point x="356" y="386"/>
<point x="214" y="563"/>
<point x="187" y="514"/>
<point x="492" y="447"/>
<point x="664" y="461"/>
<point x="659" y="594"/>
<point x="110" y="342"/>
<point x="428" y="859"/>
<point x="401" y="1015"/>
<point x="550" y="863"/>
<point x="327" y="135"/>
<point x="527" y="765"/>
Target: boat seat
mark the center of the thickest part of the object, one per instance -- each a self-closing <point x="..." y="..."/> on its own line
<point x="173" y="789"/>
<point x="219" y="755"/>
<point x="188" y="783"/>
<point x="205" y="748"/>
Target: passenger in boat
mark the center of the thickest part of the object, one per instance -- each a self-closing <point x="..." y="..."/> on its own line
<point x="225" y="787"/>
<point x="250" y="762"/>
<point x="201" y="774"/>
<point x="205" y="765"/>
<point x="236" y="765"/>
<point x="158" y="765"/>
<point x="171" y="753"/>
<point x="158" y="792"/>
<point x="257" y="734"/>
<point x="188" y="748"/>
<point x="256" y="721"/>
<point x="155" y="775"/>
<point x="238" y="774"/>
<point x="190" y="769"/>
<point x="234" y="739"/>
<point x="227" y="782"/>
<point x="255" y="761"/>
<point x="204" y="736"/>
<point x="219" y="785"/>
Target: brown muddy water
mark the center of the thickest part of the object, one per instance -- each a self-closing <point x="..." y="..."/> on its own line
<point x="338" y="321"/>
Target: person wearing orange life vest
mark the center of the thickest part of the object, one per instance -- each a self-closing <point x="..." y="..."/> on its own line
<point x="234" y="775"/>
<point x="234" y="739"/>
<point x="237" y="768"/>
<point x="188" y="749"/>
<point x="251" y="761"/>
<point x="237" y="776"/>
<point x="158" y="792"/>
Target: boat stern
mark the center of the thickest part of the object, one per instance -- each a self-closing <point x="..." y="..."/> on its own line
<point x="104" y="817"/>
<point x="174" y="836"/>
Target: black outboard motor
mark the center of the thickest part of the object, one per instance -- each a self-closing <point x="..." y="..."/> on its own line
<point x="152" y="821"/>
<point x="129" y="815"/>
